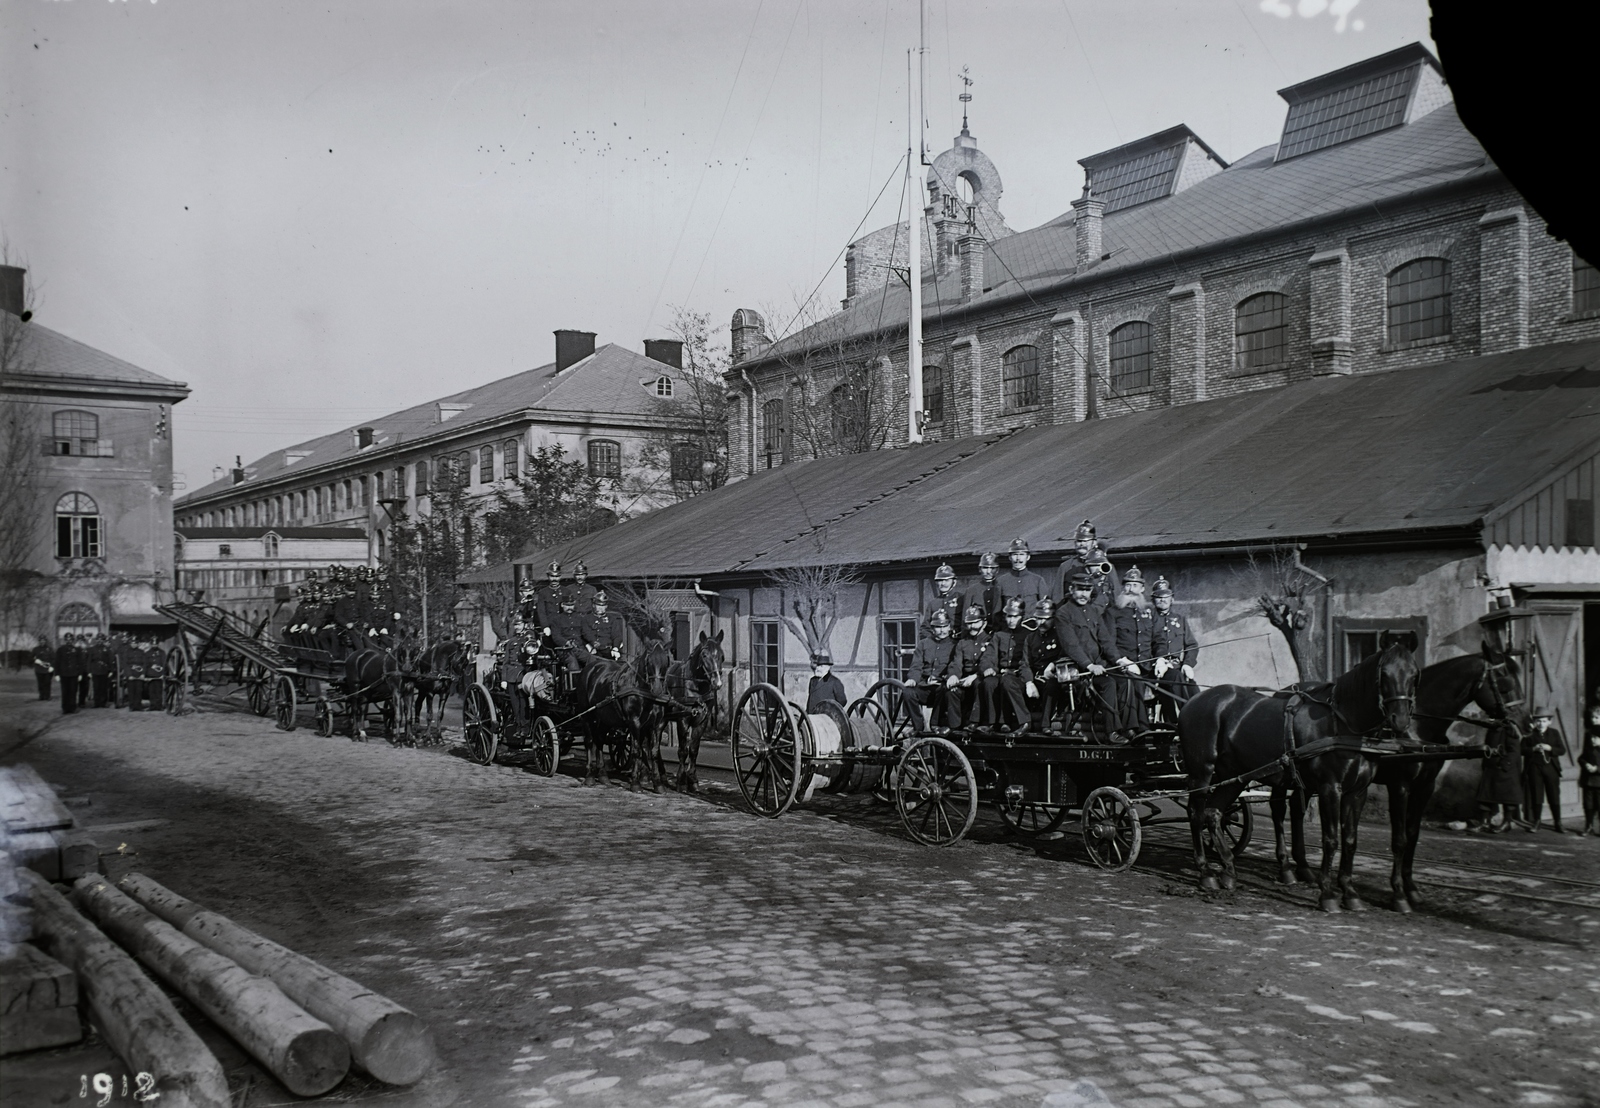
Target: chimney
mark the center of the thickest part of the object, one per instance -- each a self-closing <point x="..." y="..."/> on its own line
<point x="972" y="249"/>
<point x="363" y="437"/>
<point x="747" y="335"/>
<point x="1089" y="212"/>
<point x="572" y="347"/>
<point x="238" y="470"/>
<point x="11" y="290"/>
<point x="666" y="351"/>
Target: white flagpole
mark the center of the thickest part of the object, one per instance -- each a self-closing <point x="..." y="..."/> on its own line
<point x="914" y="251"/>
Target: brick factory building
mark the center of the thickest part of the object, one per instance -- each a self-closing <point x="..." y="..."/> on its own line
<point x="1376" y="235"/>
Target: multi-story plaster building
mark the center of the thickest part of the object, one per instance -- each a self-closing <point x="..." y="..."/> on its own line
<point x="1375" y="235"/>
<point x="88" y="503"/>
<point x="604" y="407"/>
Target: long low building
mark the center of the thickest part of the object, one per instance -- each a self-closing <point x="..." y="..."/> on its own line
<point x="1411" y="499"/>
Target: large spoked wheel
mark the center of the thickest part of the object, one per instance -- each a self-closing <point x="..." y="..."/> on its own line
<point x="886" y="705"/>
<point x="284" y="702"/>
<point x="767" y="758"/>
<point x="324" y="716"/>
<point x="1111" y="831"/>
<point x="479" y="726"/>
<point x="935" y="791"/>
<point x="546" y="747"/>
<point x="177" y="676"/>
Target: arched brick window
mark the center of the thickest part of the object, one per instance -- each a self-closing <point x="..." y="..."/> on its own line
<point x="851" y="417"/>
<point x="1419" y="301"/>
<point x="772" y="434"/>
<point x="1131" y="358"/>
<point x="933" y="392"/>
<point x="1261" y="331"/>
<point x="1020" y="377"/>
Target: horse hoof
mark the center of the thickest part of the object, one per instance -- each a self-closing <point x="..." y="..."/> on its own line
<point x="1306" y="876"/>
<point x="1402" y="905"/>
<point x="1353" y="903"/>
<point x="1287" y="877"/>
<point x="1414" y="900"/>
<point x="1227" y="882"/>
<point x="1209" y="884"/>
<point x="1329" y="904"/>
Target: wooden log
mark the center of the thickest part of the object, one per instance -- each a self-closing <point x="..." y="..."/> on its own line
<point x="28" y="804"/>
<point x="301" y="1051"/>
<point x="132" y="1013"/>
<point x="37" y="851"/>
<point x="386" y="1040"/>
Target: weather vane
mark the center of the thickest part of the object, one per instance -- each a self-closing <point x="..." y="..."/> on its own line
<point x="965" y="97"/>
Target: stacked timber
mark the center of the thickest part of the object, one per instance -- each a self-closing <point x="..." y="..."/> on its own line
<point x="40" y="832"/>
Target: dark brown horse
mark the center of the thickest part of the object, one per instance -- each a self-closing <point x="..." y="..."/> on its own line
<point x="434" y="674"/>
<point x="1233" y="736"/>
<point x="373" y="676"/>
<point x="614" y="711"/>
<point x="693" y="686"/>
<point x="1489" y="679"/>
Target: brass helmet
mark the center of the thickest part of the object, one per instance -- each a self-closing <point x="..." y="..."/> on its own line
<point x="1085" y="531"/>
<point x="1012" y="606"/>
<point x="945" y="572"/>
<point x="940" y="618"/>
<point x="988" y="561"/>
<point x="1160" y="588"/>
<point x="974" y="614"/>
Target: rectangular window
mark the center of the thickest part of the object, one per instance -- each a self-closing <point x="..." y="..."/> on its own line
<point x="511" y="451"/>
<point x="1580" y="523"/>
<point x="933" y="393"/>
<point x="1020" y="376"/>
<point x="77" y="433"/>
<point x="765" y="660"/>
<point x="1419" y="301"/>
<point x="1132" y="358"/>
<point x="605" y="460"/>
<point x="899" y="639"/>
<point x="1585" y="287"/>
<point x="77" y="536"/>
<point x="772" y="437"/>
<point x="422" y="478"/>
<point x="687" y="461"/>
<point x="486" y="465"/>
<point x="1358" y="638"/>
<point x="680" y="636"/>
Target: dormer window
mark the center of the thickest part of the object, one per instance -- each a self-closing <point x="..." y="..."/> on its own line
<point x="1362" y="99"/>
<point x="663" y="386"/>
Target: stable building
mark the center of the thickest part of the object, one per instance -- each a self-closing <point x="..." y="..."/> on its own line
<point x="1404" y="502"/>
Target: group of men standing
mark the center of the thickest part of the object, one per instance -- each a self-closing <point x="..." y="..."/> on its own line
<point x="87" y="666"/>
<point x="1091" y="644"/>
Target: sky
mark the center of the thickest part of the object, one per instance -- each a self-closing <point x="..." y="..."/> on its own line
<point x="316" y="213"/>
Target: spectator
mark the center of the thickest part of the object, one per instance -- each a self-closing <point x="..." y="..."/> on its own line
<point x="824" y="685"/>
<point x="1589" y="774"/>
<point x="1542" y="752"/>
<point x="44" y="666"/>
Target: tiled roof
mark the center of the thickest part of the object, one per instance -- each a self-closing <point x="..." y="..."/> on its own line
<point x="1251" y="196"/>
<point x="49" y="353"/>
<point x="608" y="383"/>
<point x="1379" y="455"/>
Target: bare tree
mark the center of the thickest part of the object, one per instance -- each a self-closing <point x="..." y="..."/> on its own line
<point x="1286" y="594"/>
<point x="842" y="393"/>
<point x="638" y="602"/>
<point x="21" y="492"/>
<point x="811" y="601"/>
<point x="691" y="455"/>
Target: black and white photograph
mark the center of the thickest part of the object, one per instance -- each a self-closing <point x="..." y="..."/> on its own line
<point x="798" y="554"/>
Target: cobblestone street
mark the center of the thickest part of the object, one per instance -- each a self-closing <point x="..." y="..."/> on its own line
<point x="576" y="945"/>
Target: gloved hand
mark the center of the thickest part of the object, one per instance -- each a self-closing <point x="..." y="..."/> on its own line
<point x="1161" y="667"/>
<point x="951" y="682"/>
<point x="1188" y="672"/>
<point x="968" y="682"/>
<point x="1097" y="669"/>
<point x="1032" y="690"/>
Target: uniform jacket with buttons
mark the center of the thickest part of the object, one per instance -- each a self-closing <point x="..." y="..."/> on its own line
<point x="950" y="605"/>
<point x="931" y="662"/>
<point x="1084" y="636"/>
<point x="1041" y="648"/>
<point x="1028" y="585"/>
<point x="986" y="596"/>
<point x="1172" y="639"/>
<point x="967" y="659"/>
<point x="1005" y="653"/>
<point x="605" y="632"/>
<point x="1134" y="628"/>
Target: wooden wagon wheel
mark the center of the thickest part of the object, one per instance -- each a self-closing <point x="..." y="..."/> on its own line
<point x="1111" y="831"/>
<point x="284" y="702"/>
<point x="258" y="689"/>
<point x="1030" y="819"/>
<point x="178" y="673"/>
<point x="767" y="756"/>
<point x="479" y="725"/>
<point x="1238" y="825"/>
<point x="935" y="791"/>
<point x="885" y="703"/>
<point x="324" y="717"/>
<point x="546" y="746"/>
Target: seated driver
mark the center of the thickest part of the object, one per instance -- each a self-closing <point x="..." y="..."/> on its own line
<point x="604" y="632"/>
<point x="566" y="632"/>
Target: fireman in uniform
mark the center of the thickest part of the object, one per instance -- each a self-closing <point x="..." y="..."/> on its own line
<point x="1046" y="662"/>
<point x="966" y="670"/>
<point x="1005" y="671"/>
<point x="1020" y="581"/>
<point x="155" y="674"/>
<point x="566" y="632"/>
<point x="516" y="657"/>
<point x="547" y="598"/>
<point x="581" y="591"/>
<point x="69" y="663"/>
<point x="100" y="662"/>
<point x="133" y="674"/>
<point x="1087" y="557"/>
<point x="984" y="593"/>
<point x="1176" y="650"/>
<point x="1133" y="625"/>
<point x="604" y="632"/>
<point x="930" y="665"/>
<point x="1086" y="640"/>
<point x="44" y="666"/>
<point x="945" y="599"/>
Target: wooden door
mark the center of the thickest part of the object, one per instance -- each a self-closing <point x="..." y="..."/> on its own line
<point x="1555" y="677"/>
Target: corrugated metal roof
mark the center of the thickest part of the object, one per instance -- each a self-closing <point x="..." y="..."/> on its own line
<point x="1252" y="195"/>
<point x="1394" y="452"/>
<point x="49" y="353"/>
<point x="609" y="381"/>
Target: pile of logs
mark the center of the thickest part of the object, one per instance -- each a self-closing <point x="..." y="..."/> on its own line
<point x="96" y="943"/>
<point x="41" y="832"/>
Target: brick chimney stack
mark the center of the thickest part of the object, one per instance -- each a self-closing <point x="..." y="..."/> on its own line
<point x="972" y="249"/>
<point x="1090" y="213"/>
<point x="572" y="347"/>
<point x="666" y="351"/>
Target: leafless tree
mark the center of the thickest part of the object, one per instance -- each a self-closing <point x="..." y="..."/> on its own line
<point x="21" y="492"/>
<point x="638" y="602"/>
<point x="842" y="393"/>
<point x="810" y="607"/>
<point x="1286" y="594"/>
<point x="690" y="456"/>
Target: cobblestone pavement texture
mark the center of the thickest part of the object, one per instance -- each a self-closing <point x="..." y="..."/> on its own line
<point x="589" y="946"/>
